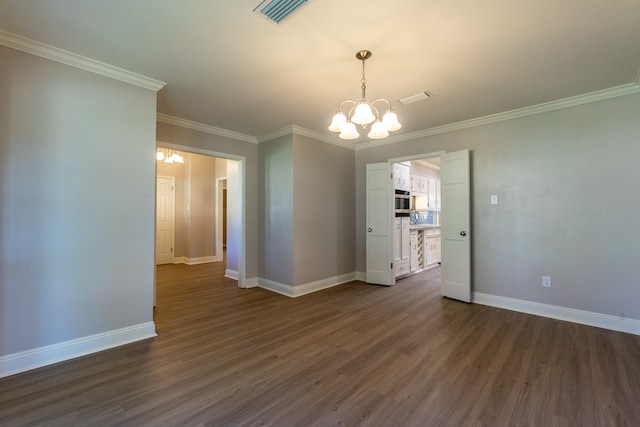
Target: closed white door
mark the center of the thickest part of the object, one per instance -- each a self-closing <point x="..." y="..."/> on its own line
<point x="379" y="235"/>
<point x="165" y="213"/>
<point x="456" y="233"/>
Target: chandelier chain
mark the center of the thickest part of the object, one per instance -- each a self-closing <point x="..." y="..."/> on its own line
<point x="364" y="83"/>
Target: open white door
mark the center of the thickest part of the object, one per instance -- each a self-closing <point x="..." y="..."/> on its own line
<point x="379" y="208"/>
<point x="455" y="222"/>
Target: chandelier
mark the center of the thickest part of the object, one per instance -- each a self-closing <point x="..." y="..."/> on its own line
<point x="168" y="156"/>
<point x="363" y="113"/>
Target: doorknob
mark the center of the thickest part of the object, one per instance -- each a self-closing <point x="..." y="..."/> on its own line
<point x="463" y="233"/>
<point x="369" y="229"/>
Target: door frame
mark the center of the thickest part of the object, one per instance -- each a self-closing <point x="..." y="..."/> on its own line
<point x="393" y="160"/>
<point x="242" y="161"/>
<point x="221" y="184"/>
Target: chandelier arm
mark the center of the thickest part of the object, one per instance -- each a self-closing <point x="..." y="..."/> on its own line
<point x="350" y="113"/>
<point x="346" y="101"/>
<point x="383" y="100"/>
<point x="377" y="113"/>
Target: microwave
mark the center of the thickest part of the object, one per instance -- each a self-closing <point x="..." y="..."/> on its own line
<point x="402" y="202"/>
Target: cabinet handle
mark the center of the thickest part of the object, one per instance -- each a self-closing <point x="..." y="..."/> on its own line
<point x="369" y="229"/>
<point x="463" y="233"/>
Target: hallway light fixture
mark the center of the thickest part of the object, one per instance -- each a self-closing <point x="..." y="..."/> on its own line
<point x="169" y="156"/>
<point x="363" y="113"/>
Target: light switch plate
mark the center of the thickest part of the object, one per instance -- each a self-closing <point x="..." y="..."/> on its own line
<point x="494" y="199"/>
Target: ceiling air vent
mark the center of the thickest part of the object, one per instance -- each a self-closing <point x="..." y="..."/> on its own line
<point x="277" y="10"/>
<point x="420" y="96"/>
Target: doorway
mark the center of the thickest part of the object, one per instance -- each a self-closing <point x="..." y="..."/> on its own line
<point x="416" y="231"/>
<point x="392" y="236"/>
<point x="221" y="218"/>
<point x="229" y="179"/>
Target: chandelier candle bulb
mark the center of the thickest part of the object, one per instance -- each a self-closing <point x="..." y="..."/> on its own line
<point x="364" y="113"/>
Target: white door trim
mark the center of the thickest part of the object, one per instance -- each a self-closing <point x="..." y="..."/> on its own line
<point x="220" y="185"/>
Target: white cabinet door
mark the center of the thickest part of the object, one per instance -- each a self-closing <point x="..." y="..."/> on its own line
<point x="430" y="251"/>
<point x="419" y="185"/>
<point x="414" y="250"/>
<point x="405" y="248"/>
<point x="416" y="183"/>
<point x="401" y="177"/>
<point x="433" y="193"/>
<point x="397" y="239"/>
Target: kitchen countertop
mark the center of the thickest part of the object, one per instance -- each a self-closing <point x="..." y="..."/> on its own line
<point x="423" y="226"/>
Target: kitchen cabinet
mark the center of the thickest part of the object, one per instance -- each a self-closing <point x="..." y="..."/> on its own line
<point x="432" y="248"/>
<point x="401" y="246"/>
<point x="434" y="194"/>
<point x="401" y="177"/>
<point x="419" y="184"/>
<point x="417" y="250"/>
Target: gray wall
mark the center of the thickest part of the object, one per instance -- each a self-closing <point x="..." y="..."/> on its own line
<point x="195" y="204"/>
<point x="78" y="198"/>
<point x="567" y="182"/>
<point x="307" y="203"/>
<point x="201" y="206"/>
<point x="201" y="140"/>
<point x="276" y="209"/>
<point x="324" y="210"/>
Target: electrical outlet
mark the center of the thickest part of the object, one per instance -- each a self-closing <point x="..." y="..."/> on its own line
<point x="546" y="281"/>
<point x="494" y="199"/>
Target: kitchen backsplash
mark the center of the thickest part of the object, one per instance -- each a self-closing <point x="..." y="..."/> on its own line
<point x="424" y="217"/>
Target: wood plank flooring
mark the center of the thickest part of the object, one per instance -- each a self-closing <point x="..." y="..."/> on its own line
<point x="351" y="355"/>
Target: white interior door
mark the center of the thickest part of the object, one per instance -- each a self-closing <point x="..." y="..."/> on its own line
<point x="455" y="222"/>
<point x="379" y="208"/>
<point x="165" y="213"/>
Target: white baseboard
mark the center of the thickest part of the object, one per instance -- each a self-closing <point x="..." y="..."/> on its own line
<point x="194" y="261"/>
<point x="361" y="275"/>
<point x="281" y="288"/>
<point x="307" y="288"/>
<point x="43" y="356"/>
<point x="251" y="283"/>
<point x="231" y="274"/>
<point x="599" y="320"/>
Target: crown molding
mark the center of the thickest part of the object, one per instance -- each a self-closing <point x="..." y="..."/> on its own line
<point x="176" y="121"/>
<point x="287" y="130"/>
<point x="297" y="130"/>
<point x="33" y="47"/>
<point x="600" y="95"/>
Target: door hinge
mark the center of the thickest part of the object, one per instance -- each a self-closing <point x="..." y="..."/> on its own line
<point x="391" y="266"/>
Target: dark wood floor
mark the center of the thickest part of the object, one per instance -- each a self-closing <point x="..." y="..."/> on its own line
<point x="352" y="355"/>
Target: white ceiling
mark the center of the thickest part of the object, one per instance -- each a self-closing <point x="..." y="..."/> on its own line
<point x="228" y="67"/>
